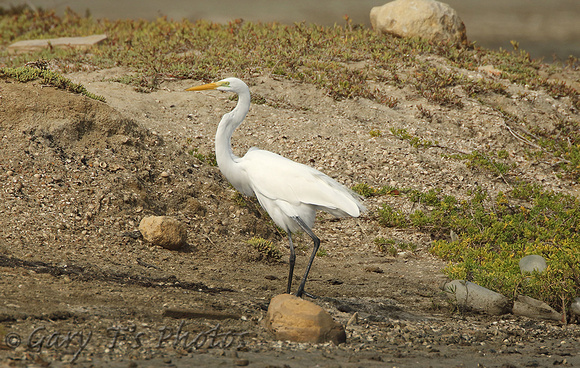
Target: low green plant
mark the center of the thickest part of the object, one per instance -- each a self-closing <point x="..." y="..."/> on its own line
<point x="209" y="158"/>
<point x="390" y="217"/>
<point x="266" y="248"/>
<point x="392" y="247"/>
<point x="495" y="163"/>
<point x="375" y="133"/>
<point x="26" y="74"/>
<point x="493" y="234"/>
<point x="321" y="252"/>
<point x="414" y="141"/>
<point x="366" y="190"/>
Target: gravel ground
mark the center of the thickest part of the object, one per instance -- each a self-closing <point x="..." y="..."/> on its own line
<point x="76" y="177"/>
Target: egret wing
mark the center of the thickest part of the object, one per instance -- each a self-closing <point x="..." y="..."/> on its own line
<point x="279" y="178"/>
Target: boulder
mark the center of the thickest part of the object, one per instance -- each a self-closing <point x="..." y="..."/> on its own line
<point x="163" y="231"/>
<point x="533" y="308"/>
<point x="531" y="263"/>
<point x="428" y="19"/>
<point x="294" y="319"/>
<point x="477" y="298"/>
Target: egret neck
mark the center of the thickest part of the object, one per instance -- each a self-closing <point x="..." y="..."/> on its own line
<point x="224" y="155"/>
<point x="226" y="127"/>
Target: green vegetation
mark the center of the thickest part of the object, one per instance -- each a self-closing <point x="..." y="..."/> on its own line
<point x="26" y="74"/>
<point x="366" y="190"/>
<point x="414" y="141"/>
<point x="209" y="158"/>
<point x="495" y="233"/>
<point x="392" y="247"/>
<point x="496" y="163"/>
<point x="266" y="248"/>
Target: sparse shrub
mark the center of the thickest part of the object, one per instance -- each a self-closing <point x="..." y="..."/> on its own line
<point x="26" y="74"/>
<point x="494" y="233"/>
<point x="366" y="190"/>
<point x="392" y="247"/>
<point x="266" y="248"/>
<point x="375" y="133"/>
<point x="414" y="141"/>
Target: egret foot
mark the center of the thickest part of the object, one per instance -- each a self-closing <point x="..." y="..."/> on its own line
<point x="301" y="293"/>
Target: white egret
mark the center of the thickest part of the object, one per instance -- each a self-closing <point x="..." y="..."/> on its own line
<point x="289" y="191"/>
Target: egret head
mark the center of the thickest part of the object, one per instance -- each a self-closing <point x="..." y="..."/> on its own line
<point x="228" y="85"/>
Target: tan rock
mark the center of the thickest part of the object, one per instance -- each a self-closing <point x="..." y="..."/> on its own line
<point x="294" y="319"/>
<point x="428" y="19"/>
<point x="163" y="231"/>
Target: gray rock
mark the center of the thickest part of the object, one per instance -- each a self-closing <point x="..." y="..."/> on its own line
<point x="531" y="263"/>
<point x="575" y="307"/>
<point x="428" y="19"/>
<point x="533" y="308"/>
<point x="477" y="298"/>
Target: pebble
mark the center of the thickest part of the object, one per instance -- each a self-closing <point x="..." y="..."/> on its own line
<point x="575" y="306"/>
<point x="531" y="263"/>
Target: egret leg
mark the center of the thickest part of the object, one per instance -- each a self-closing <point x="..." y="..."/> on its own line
<point x="291" y="261"/>
<point x="316" y="241"/>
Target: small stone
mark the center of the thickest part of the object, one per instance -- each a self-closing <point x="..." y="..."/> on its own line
<point x="575" y="307"/>
<point x="428" y="19"/>
<point x="164" y="174"/>
<point x="241" y="362"/>
<point x="163" y="231"/>
<point x="294" y="319"/>
<point x="353" y="320"/>
<point x="533" y="308"/>
<point x="531" y="263"/>
<point x="477" y="298"/>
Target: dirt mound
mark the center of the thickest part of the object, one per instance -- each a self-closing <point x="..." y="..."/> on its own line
<point x="63" y="117"/>
<point x="77" y="177"/>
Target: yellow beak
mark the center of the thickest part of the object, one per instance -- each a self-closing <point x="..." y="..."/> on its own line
<point x="203" y="87"/>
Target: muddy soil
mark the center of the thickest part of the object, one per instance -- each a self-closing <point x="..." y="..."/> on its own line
<point x="78" y="284"/>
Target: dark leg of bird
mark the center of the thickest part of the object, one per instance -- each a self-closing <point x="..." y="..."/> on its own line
<point x="316" y="241"/>
<point x="291" y="261"/>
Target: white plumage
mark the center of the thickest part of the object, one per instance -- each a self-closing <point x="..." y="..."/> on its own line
<point x="290" y="192"/>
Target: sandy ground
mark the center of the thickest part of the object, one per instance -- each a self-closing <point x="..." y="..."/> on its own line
<point x="79" y="284"/>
